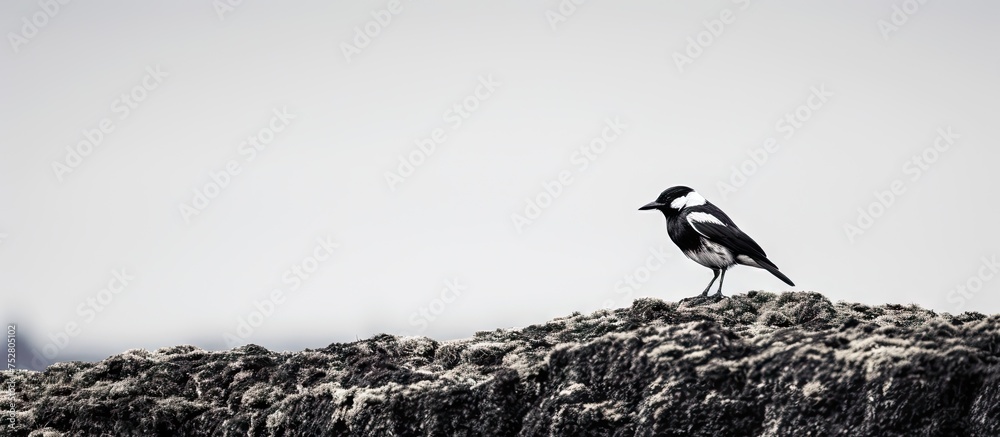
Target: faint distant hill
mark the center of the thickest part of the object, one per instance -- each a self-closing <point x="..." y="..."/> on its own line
<point x="751" y="364"/>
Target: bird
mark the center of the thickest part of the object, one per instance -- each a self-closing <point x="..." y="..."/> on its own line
<point x="708" y="236"/>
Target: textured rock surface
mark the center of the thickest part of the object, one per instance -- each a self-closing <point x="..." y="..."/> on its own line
<point x="753" y="364"/>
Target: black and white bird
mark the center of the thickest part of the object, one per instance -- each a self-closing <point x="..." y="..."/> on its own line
<point x="708" y="236"/>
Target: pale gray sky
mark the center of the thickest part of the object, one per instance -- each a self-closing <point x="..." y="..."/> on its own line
<point x="619" y="101"/>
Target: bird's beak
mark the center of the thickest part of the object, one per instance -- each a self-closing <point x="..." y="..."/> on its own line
<point x="650" y="205"/>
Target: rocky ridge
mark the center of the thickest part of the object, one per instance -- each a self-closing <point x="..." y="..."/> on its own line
<point x="751" y="364"/>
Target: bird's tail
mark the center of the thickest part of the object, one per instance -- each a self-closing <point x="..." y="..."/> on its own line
<point x="766" y="264"/>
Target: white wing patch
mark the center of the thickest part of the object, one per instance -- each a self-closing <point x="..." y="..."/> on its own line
<point x="703" y="217"/>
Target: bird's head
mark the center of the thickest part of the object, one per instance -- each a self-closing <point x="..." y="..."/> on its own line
<point x="674" y="199"/>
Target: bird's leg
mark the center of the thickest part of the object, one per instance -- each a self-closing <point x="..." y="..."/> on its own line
<point x="705" y="293"/>
<point x="721" y="280"/>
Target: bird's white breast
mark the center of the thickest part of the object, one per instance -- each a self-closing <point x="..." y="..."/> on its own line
<point x="711" y="255"/>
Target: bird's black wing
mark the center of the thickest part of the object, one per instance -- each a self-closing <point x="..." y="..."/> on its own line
<point x="714" y="225"/>
<point x="714" y="229"/>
